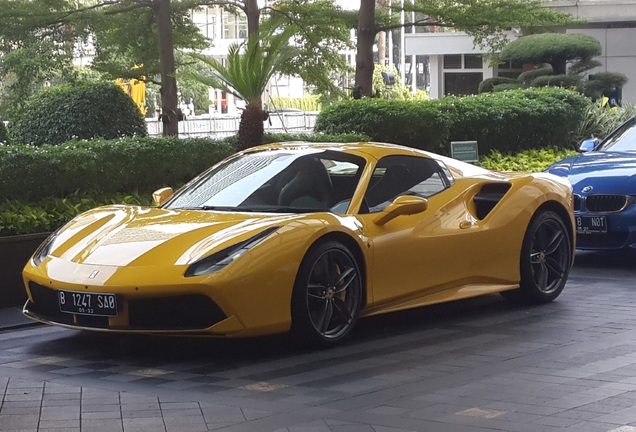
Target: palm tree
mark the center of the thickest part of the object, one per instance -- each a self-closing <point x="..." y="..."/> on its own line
<point x="249" y="66"/>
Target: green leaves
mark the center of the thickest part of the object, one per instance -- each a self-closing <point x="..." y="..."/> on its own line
<point x="48" y="214"/>
<point x="249" y="65"/>
<point x="506" y="121"/>
<point x="534" y="160"/>
<point x="103" y="167"/>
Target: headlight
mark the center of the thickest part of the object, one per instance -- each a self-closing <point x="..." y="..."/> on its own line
<point x="43" y="250"/>
<point x="222" y="258"/>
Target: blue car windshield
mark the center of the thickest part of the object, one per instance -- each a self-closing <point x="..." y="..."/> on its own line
<point x="280" y="181"/>
<point x="622" y="139"/>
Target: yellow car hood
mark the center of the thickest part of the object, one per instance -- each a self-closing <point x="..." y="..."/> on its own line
<point x="143" y="236"/>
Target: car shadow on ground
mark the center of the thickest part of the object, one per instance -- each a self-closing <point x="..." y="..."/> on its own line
<point x="610" y="259"/>
<point x="224" y="354"/>
<point x="218" y="355"/>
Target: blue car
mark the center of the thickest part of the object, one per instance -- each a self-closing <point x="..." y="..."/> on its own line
<point x="603" y="177"/>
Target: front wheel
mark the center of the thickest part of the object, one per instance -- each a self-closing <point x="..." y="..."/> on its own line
<point x="546" y="257"/>
<point x="327" y="295"/>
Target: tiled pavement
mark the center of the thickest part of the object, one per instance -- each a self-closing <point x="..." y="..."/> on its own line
<point x="476" y="365"/>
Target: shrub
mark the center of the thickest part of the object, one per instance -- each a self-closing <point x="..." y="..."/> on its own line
<point x="602" y="83"/>
<point x="527" y="77"/>
<point x="4" y="134"/>
<point x="554" y="48"/>
<point x="507" y="121"/>
<point x="599" y="120"/>
<point x="48" y="214"/>
<point x="534" y="160"/>
<point x="488" y="84"/>
<point x="565" y="81"/>
<point x="104" y="166"/>
<point x="507" y="86"/>
<point x="313" y="137"/>
<point x="83" y="111"/>
<point x="519" y="119"/>
<point x="418" y="124"/>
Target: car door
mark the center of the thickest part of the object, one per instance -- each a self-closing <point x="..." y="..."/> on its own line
<point x="426" y="251"/>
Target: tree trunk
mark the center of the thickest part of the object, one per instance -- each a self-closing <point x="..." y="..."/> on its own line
<point x="251" y="128"/>
<point x="253" y="16"/>
<point x="169" y="102"/>
<point x="364" y="57"/>
<point x="383" y="5"/>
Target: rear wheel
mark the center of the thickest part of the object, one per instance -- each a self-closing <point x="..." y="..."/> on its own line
<point x="546" y="256"/>
<point x="327" y="295"/>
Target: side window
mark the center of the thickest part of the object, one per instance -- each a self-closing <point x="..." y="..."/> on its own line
<point x="395" y="176"/>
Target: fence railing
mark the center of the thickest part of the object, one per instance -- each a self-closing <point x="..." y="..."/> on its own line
<point x="223" y="125"/>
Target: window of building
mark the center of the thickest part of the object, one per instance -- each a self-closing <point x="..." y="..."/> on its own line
<point x="452" y="61"/>
<point x="462" y="83"/>
<point x="473" y="61"/>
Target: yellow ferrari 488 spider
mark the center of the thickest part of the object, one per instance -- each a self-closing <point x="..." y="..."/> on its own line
<point x="306" y="238"/>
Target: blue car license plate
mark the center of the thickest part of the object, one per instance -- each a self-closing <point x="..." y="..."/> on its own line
<point x="83" y="303"/>
<point x="591" y="224"/>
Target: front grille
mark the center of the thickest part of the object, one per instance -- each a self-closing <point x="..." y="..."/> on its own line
<point x="606" y="203"/>
<point x="182" y="312"/>
<point x="577" y="202"/>
<point x="185" y="312"/>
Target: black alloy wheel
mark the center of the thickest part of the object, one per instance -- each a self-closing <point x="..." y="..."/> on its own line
<point x="327" y="295"/>
<point x="546" y="257"/>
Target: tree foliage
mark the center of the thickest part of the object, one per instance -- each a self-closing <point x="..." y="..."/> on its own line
<point x="553" y="48"/>
<point x="38" y="40"/>
<point x="321" y="31"/>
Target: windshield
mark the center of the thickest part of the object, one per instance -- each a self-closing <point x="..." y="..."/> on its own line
<point x="622" y="139"/>
<point x="294" y="181"/>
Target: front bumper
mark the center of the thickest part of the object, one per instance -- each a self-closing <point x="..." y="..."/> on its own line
<point x="621" y="231"/>
<point x="168" y="313"/>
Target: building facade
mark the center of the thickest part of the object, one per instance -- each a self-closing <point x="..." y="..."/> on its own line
<point x="454" y="70"/>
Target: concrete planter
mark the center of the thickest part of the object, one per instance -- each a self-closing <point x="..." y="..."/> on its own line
<point x="15" y="251"/>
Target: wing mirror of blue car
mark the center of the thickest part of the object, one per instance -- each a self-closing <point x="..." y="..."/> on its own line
<point x="160" y="196"/>
<point x="402" y="206"/>
<point x="588" y="145"/>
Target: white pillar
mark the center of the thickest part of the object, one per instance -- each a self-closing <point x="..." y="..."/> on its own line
<point x="436" y="76"/>
<point x="390" y="38"/>
<point x="402" y="53"/>
<point x="413" y="58"/>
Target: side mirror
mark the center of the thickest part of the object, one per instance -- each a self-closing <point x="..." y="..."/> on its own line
<point x="588" y="145"/>
<point x="162" y="195"/>
<point x="401" y="206"/>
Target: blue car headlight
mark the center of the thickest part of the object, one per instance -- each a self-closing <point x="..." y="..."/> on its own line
<point x="43" y="250"/>
<point x="218" y="260"/>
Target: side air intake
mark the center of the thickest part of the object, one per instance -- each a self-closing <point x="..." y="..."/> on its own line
<point x="488" y="197"/>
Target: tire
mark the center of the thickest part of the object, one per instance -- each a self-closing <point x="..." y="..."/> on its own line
<point x="327" y="295"/>
<point x="546" y="257"/>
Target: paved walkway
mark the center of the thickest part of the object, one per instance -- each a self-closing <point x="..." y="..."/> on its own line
<point x="476" y="365"/>
<point x="11" y="318"/>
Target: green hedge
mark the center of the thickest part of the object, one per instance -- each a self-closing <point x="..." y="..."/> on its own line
<point x="419" y="124"/>
<point x="534" y="160"/>
<point x="104" y="166"/>
<point x="506" y="121"/>
<point x="17" y="217"/>
<point x="41" y="188"/>
<point x="516" y="120"/>
<point x="4" y="134"/>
